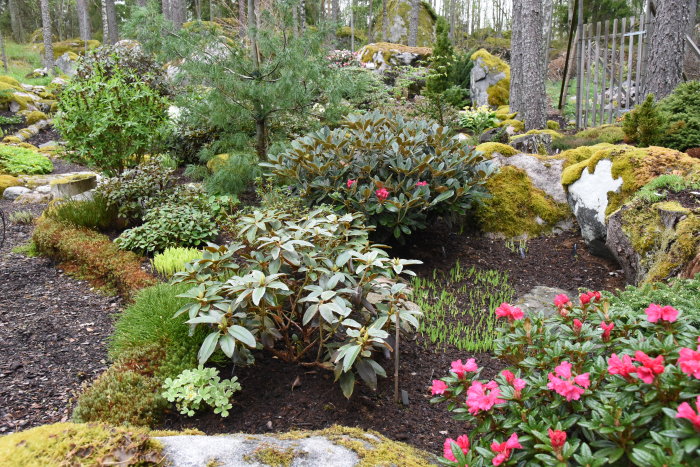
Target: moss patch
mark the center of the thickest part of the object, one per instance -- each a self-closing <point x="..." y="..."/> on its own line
<point x="6" y="181"/>
<point x="15" y="160"/>
<point x="427" y="19"/>
<point x="553" y="133"/>
<point x="498" y="93"/>
<point x="517" y="207"/>
<point x="217" y="162"/>
<point x="605" y="133"/>
<point x="489" y="148"/>
<point x="553" y="125"/>
<point x="503" y="113"/>
<point x="75" y="46"/>
<point x="273" y="456"/>
<point x="517" y="125"/>
<point x="388" y="50"/>
<point x="79" y="444"/>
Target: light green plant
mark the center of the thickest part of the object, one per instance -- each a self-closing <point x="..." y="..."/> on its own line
<point x="22" y="216"/>
<point x="658" y="188"/>
<point x="173" y="259"/>
<point x="478" y="119"/>
<point x="15" y="160"/>
<point x="201" y="385"/>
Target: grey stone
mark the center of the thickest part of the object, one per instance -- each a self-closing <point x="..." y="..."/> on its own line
<point x="238" y="450"/>
<point x="495" y="135"/>
<point x="539" y="143"/>
<point x="620" y="245"/>
<point x="14" y="192"/>
<point x="72" y="186"/>
<point x="43" y="189"/>
<point x="540" y="299"/>
<point x="33" y="197"/>
<point x="66" y="64"/>
<point x="545" y="174"/>
<point x="481" y="79"/>
<point x="48" y="144"/>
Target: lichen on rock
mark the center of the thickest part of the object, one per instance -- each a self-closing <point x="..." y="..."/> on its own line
<point x="399" y="14"/>
<point x="382" y="55"/>
<point x="490" y="79"/>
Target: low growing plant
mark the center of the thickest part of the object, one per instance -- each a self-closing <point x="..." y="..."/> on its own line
<point x="300" y="289"/>
<point x="15" y="160"/>
<point x="478" y="119"/>
<point x="591" y="384"/>
<point x="22" y="217"/>
<point x="93" y="214"/>
<point x="400" y="174"/>
<point x="192" y="388"/>
<point x="173" y="260"/>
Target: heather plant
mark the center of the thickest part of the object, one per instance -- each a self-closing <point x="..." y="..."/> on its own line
<point x="400" y="174"/>
<point x="311" y="290"/>
<point x="198" y="386"/>
<point x="594" y="383"/>
<point x="342" y="58"/>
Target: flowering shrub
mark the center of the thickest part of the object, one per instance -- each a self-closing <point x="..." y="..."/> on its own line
<point x="310" y="290"/>
<point x="398" y="173"/>
<point x="592" y="384"/>
<point x="342" y="58"/>
<point x="478" y="119"/>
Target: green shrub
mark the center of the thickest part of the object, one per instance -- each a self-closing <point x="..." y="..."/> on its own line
<point x="683" y="294"/>
<point x="478" y="119"/>
<point x="93" y="214"/>
<point x="398" y="173"/>
<point x="644" y="125"/>
<point x="173" y="260"/>
<point x="234" y="175"/>
<point x="110" y="120"/>
<point x="22" y="217"/>
<point x="15" y="160"/>
<point x="682" y="110"/>
<point x="200" y="385"/>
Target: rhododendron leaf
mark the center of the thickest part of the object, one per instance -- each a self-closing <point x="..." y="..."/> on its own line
<point x="377" y="368"/>
<point x="228" y="345"/>
<point x="350" y="356"/>
<point x="367" y="373"/>
<point x="242" y="334"/>
<point x="208" y="347"/>
<point x="257" y="295"/>
<point x="347" y="384"/>
<point x="326" y="311"/>
<point x="309" y="314"/>
<point x="442" y="196"/>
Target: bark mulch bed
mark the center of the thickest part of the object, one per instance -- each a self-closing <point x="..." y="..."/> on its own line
<point x="53" y="331"/>
<point x="44" y="136"/>
<point x="277" y="396"/>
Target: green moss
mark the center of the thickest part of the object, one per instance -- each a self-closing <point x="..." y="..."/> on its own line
<point x="79" y="444"/>
<point x="642" y="226"/>
<point x="6" y="181"/>
<point x="577" y="160"/>
<point x="516" y="204"/>
<point x="11" y="81"/>
<point x="489" y="148"/>
<point x="677" y="249"/>
<point x="503" y="113"/>
<point x="517" y="125"/>
<point x="605" y="133"/>
<point x="71" y="178"/>
<point x="499" y="93"/>
<point x="8" y="94"/>
<point x="11" y="139"/>
<point x="75" y="46"/>
<point x="273" y="456"/>
<point x="35" y="116"/>
<point x="388" y="50"/>
<point x="426" y="20"/>
<point x="553" y="125"/>
<point x="553" y="133"/>
<point x="217" y="162"/>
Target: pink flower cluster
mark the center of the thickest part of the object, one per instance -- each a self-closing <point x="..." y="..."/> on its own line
<point x="350" y="183"/>
<point x="647" y="372"/>
<point x="382" y="194"/>
<point x="504" y="449"/>
<point x="557" y="438"/>
<point x="422" y="184"/>
<point x="460" y="369"/>
<point x="562" y="301"/>
<point x="481" y="397"/>
<point x="565" y="384"/>
<point x="585" y="298"/>
<point x="606" y="330"/>
<point x="517" y="383"/>
<point x="461" y="441"/>
<point x="509" y="311"/>
<point x="657" y="313"/>
<point x="687" y="412"/>
<point x="689" y="361"/>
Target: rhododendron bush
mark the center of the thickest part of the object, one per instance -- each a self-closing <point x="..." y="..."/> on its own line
<point x="399" y="173"/>
<point x="590" y="384"/>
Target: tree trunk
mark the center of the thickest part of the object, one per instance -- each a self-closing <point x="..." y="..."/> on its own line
<point x="16" y="21"/>
<point x="667" y="47"/>
<point x="112" y="22"/>
<point x="370" y="28"/>
<point x="177" y="12"/>
<point x="352" y="25"/>
<point x="4" y="52"/>
<point x="413" y="23"/>
<point x="46" y="32"/>
<point x="516" y="60"/>
<point x="533" y="105"/>
<point x="83" y="20"/>
<point x="385" y="22"/>
<point x="166" y="8"/>
<point x="261" y="138"/>
<point x="547" y="12"/>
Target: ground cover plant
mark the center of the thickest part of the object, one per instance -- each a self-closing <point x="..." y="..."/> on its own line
<point x="400" y="174"/>
<point x="174" y="259"/>
<point x="595" y="382"/>
<point x="15" y="160"/>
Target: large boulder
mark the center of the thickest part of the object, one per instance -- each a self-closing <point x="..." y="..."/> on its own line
<point x="383" y="55"/>
<point x="399" y="14"/>
<point x="67" y="63"/>
<point x="490" y="80"/>
<point x="73" y="185"/>
<point x="544" y="172"/>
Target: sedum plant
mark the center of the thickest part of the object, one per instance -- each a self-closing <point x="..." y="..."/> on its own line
<point x="592" y="384"/>
<point x="310" y="290"/>
<point x="400" y="174"/>
<point x="201" y="385"/>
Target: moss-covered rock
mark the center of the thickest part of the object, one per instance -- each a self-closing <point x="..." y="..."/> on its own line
<point x="399" y="13"/>
<point x="74" y="46"/>
<point x="553" y="125"/>
<point x="605" y="134"/>
<point x="553" y="133"/>
<point x="516" y="207"/>
<point x="11" y="81"/>
<point x="33" y="116"/>
<point x="517" y="125"/>
<point x="489" y="148"/>
<point x="6" y="181"/>
<point x="383" y="55"/>
<point x="503" y="113"/>
<point x="490" y="79"/>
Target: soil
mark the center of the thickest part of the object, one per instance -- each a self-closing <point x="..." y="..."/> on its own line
<point x="278" y="396"/>
<point x="8" y="130"/>
<point x="53" y="331"/>
<point x="687" y="198"/>
<point x="44" y="136"/>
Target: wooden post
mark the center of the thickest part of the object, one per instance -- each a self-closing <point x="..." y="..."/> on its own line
<point x="606" y="29"/>
<point x="596" y="72"/>
<point x="587" y="90"/>
<point x="611" y="98"/>
<point x="565" y="80"/>
<point x="581" y="61"/>
<point x="622" y="62"/>
<point x="640" y="51"/>
<point x="629" y="65"/>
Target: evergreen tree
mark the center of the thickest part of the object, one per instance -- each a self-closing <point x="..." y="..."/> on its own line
<point x="437" y="82"/>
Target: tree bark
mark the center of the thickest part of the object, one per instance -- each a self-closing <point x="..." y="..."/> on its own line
<point x="530" y="79"/>
<point x="46" y="32"/>
<point x="385" y="22"/>
<point x="4" y="52"/>
<point x="413" y="23"/>
<point x="516" y="60"/>
<point x="111" y="22"/>
<point x="16" y="21"/>
<point x="667" y="47"/>
<point x="370" y="28"/>
<point x="83" y="20"/>
<point x="177" y="12"/>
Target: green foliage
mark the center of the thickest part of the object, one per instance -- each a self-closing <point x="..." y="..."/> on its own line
<point x="478" y="119"/>
<point x="657" y="189"/>
<point x="22" y="217"/>
<point x="300" y="288"/>
<point x="683" y="294"/>
<point x="234" y="176"/>
<point x="460" y="78"/>
<point x="201" y="385"/>
<point x="645" y="124"/>
<point x="398" y="173"/>
<point x="682" y="111"/>
<point x="111" y="120"/>
<point x="173" y="260"/>
<point x="94" y="214"/>
<point x="437" y="81"/>
<point x="455" y="305"/>
<point x="365" y="89"/>
<point x="15" y="160"/>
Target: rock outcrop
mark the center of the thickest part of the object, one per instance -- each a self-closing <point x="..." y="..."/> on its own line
<point x="399" y="14"/>
<point x="490" y="80"/>
<point x="381" y="56"/>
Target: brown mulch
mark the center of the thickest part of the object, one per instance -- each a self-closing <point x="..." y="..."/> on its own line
<point x="44" y="136"/>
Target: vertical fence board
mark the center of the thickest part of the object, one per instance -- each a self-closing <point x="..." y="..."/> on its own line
<point x="640" y="54"/>
<point x="622" y="62"/>
<point x="596" y="72"/>
<point x="579" y="67"/>
<point x="589" y="53"/>
<point x="603" y="80"/>
<point x="629" y="65"/>
<point x="610" y="98"/>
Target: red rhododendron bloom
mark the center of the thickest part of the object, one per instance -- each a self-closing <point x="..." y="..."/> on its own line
<point x="650" y="366"/>
<point x="460" y="368"/>
<point x="483" y="396"/>
<point x="623" y="367"/>
<point x="686" y="411"/>
<point x="382" y="193"/>
<point x="519" y="384"/>
<point x="439" y="387"/>
<point x="351" y="183"/>
<point x="557" y="438"/>
<point x="461" y="441"/>
<point x="504" y="449"/>
<point x="562" y="300"/>
<point x="422" y="184"/>
<point x="689" y="361"/>
<point x="562" y="383"/>
<point x="577" y="325"/>
<point x="664" y="313"/>
<point x="509" y="311"/>
<point x="508" y="375"/>
<point x="606" y="330"/>
<point x="584" y="298"/>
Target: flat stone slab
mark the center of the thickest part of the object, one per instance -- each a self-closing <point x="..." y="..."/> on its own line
<point x="252" y="450"/>
<point x="541" y="299"/>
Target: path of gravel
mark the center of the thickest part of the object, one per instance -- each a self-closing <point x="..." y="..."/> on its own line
<point x="53" y="331"/>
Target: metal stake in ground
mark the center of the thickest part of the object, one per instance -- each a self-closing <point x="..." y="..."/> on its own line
<point x="396" y="358"/>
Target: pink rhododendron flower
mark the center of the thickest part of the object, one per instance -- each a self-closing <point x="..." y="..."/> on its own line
<point x="460" y="368"/>
<point x="606" y="330"/>
<point x="509" y="311"/>
<point x="519" y="384"/>
<point x="439" y="387"/>
<point x="422" y="184"/>
<point x="461" y="441"/>
<point x="504" y="449"/>
<point x="562" y="382"/>
<point x="382" y="193"/>
<point x="584" y="298"/>
<point x="557" y="438"/>
<point x="562" y="300"/>
<point x="350" y="183"/>
<point x="483" y="396"/>
<point x="686" y="411"/>
<point x="508" y="375"/>
<point x="689" y="361"/>
<point x="577" y="325"/>
<point x="623" y="367"/>
<point x="656" y="312"/>
<point x="650" y="366"/>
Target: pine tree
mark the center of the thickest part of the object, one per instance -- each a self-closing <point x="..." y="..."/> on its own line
<point x="437" y="81"/>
